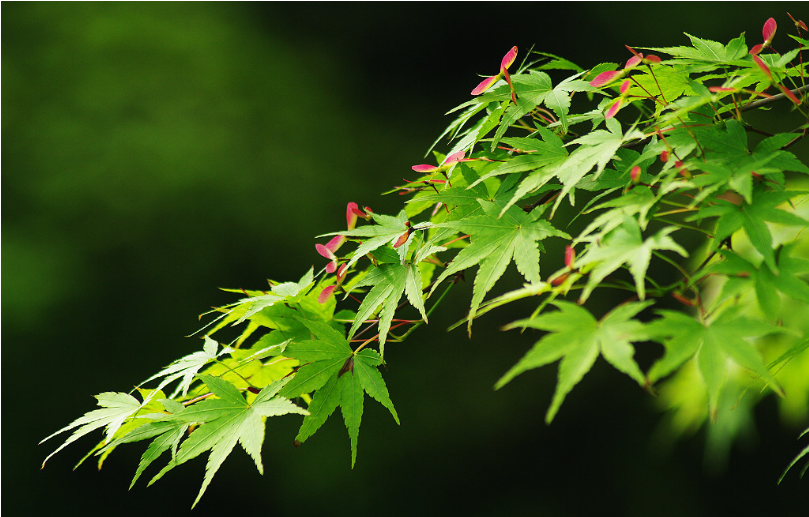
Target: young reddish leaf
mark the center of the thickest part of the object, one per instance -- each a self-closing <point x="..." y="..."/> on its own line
<point x="682" y="170"/>
<point x="604" y="78"/>
<point x="769" y="31"/>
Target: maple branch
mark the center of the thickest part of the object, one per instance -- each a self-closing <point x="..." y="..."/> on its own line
<point x="774" y="98"/>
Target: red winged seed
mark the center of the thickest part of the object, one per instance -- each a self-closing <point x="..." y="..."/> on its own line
<point x="634" y="61"/>
<point x="454" y="157"/>
<point x="509" y="58"/>
<point x="325" y="252"/>
<point x="484" y="85"/>
<point x="604" y="78"/>
<point x="764" y="67"/>
<point x="336" y="242"/>
<point x="769" y="31"/>
<point x="614" y="108"/>
<point x="402" y="239"/>
<point x="352" y="212"/>
<point x="425" y="168"/>
<point x="789" y="94"/>
<point x="326" y="293"/>
<point x="798" y="24"/>
<point x="348" y="366"/>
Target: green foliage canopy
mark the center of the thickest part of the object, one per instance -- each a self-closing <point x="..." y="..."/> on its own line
<point x="681" y="162"/>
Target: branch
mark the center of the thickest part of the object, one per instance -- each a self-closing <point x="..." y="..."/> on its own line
<point x="774" y="98"/>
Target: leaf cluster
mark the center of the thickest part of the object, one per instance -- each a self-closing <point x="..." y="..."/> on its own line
<point x="679" y="201"/>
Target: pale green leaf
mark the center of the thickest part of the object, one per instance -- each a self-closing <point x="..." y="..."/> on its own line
<point x="577" y="338"/>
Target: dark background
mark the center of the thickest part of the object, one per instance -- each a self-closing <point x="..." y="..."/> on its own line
<point x="154" y="152"/>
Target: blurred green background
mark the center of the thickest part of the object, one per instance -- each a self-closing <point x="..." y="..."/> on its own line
<point x="153" y="152"/>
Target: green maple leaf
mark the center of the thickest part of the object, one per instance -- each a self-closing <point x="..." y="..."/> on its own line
<point x="536" y="88"/>
<point x="713" y="344"/>
<point x="596" y="149"/>
<point x="483" y="126"/>
<point x="390" y="281"/>
<point x="577" y="338"/>
<point x="457" y="125"/>
<point x="541" y="155"/>
<point x="751" y="217"/>
<point x="766" y="282"/>
<point x="116" y="409"/>
<point x="166" y="434"/>
<point x="802" y="454"/>
<point x="186" y="368"/>
<point x="340" y="377"/>
<point x="225" y="421"/>
<point x="495" y="243"/>
<point x="668" y="82"/>
<point x="624" y="245"/>
<point x="707" y="50"/>
<point x="387" y="230"/>
<point x="638" y="201"/>
<point x="251" y="308"/>
<point x="729" y="164"/>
